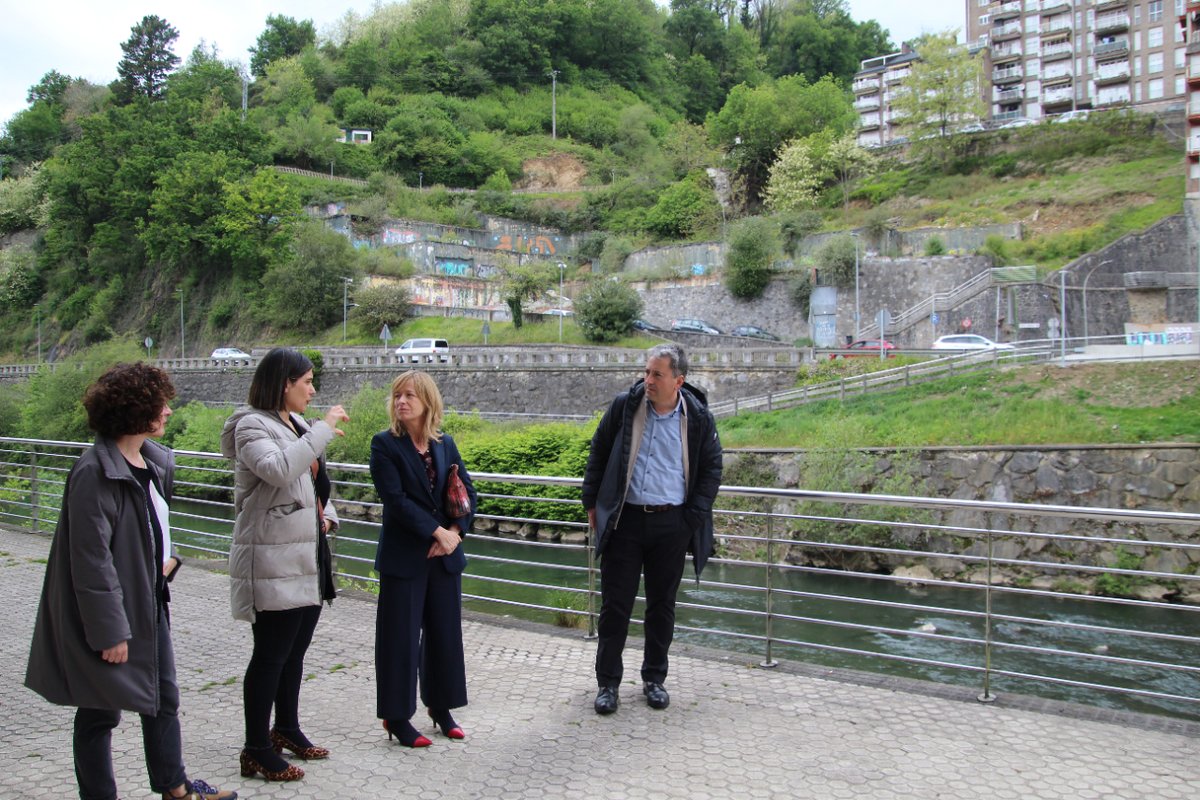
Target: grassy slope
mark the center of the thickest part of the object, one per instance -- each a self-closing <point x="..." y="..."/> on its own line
<point x="1044" y="404"/>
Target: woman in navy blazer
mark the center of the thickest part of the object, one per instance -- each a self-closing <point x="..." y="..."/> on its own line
<point x="420" y="560"/>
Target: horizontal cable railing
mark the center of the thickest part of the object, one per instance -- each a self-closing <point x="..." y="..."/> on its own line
<point x="1078" y="603"/>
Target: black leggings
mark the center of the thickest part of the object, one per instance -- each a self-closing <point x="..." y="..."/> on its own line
<point x="281" y="639"/>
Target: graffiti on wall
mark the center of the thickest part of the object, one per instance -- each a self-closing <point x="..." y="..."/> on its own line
<point x="443" y="292"/>
<point x="537" y="245"/>
<point x="486" y="270"/>
<point x="1159" y="334"/>
<point x="395" y="236"/>
<point x="452" y="266"/>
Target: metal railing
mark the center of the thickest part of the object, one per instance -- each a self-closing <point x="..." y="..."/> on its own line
<point x="991" y="594"/>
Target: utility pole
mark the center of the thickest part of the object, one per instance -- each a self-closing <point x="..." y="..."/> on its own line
<point x="345" y="303"/>
<point x="245" y="95"/>
<point x="553" y="104"/>
<point x="182" y="349"/>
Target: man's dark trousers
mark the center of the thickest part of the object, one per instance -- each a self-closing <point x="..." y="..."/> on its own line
<point x="656" y="542"/>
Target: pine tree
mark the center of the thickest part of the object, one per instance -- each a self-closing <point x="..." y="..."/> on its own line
<point x="148" y="60"/>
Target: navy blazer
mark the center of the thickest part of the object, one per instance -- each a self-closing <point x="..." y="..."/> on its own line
<point x="411" y="512"/>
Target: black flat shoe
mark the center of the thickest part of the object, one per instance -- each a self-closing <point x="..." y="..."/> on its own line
<point x="607" y="700"/>
<point x="656" y="695"/>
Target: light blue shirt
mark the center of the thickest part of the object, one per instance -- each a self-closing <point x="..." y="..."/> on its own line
<point x="658" y="470"/>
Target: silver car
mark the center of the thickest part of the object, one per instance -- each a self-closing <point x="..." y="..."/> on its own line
<point x="968" y="341"/>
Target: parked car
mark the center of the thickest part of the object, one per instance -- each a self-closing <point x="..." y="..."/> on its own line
<point x="1019" y="122"/>
<point x="230" y="357"/>
<point x="968" y="341"/>
<point x="427" y="350"/>
<point x="972" y="127"/>
<point x="694" y="326"/>
<point x="1078" y="115"/>
<point x="643" y="325"/>
<point x="754" y="332"/>
<point x="867" y="347"/>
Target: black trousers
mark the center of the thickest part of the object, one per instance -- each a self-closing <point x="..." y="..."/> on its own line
<point x="281" y="638"/>
<point x="161" y="740"/>
<point x="418" y="638"/>
<point x="657" y="545"/>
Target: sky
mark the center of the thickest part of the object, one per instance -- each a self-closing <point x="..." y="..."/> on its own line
<point x="82" y="38"/>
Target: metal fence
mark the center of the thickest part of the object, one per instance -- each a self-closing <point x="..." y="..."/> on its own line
<point x="1000" y="596"/>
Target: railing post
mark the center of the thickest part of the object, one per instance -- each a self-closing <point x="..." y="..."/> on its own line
<point x="770" y="559"/>
<point x="33" y="488"/>
<point x="591" y="584"/>
<point x="986" y="696"/>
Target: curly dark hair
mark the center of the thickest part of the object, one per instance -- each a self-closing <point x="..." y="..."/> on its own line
<point x="127" y="399"/>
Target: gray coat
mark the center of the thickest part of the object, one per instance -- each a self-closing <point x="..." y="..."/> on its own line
<point x="100" y="586"/>
<point x="273" y="556"/>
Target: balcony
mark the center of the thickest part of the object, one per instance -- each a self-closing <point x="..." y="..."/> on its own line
<point x="1112" y="23"/>
<point x="1054" y="98"/>
<point x="1111" y="97"/>
<point x="1054" y="52"/>
<point x="1108" y="5"/>
<point x="1193" y="71"/>
<point x="896" y="75"/>
<point x="1111" y="49"/>
<point x="868" y="122"/>
<point x="1006" y="52"/>
<point x="867" y="103"/>
<point x="1010" y="75"/>
<point x="863" y="85"/>
<point x="1193" y="110"/>
<point x="1007" y="11"/>
<point x="1002" y="33"/>
<point x="1056" y="78"/>
<point x="1009" y="96"/>
<point x="1054" y="6"/>
<point x="1058" y="29"/>
<point x="1112" y="73"/>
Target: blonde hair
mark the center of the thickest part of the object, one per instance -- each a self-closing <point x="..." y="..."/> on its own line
<point x="427" y="392"/>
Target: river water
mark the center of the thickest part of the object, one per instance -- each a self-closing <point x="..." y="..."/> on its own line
<point x="849" y="614"/>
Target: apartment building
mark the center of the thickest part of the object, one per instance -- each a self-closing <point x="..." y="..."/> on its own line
<point x="1048" y="57"/>
<point x="1189" y="21"/>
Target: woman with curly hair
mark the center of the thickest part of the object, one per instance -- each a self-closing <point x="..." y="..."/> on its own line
<point x="102" y="640"/>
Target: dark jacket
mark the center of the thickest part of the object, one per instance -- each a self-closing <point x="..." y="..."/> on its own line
<point x="609" y="467"/>
<point x="100" y="587"/>
<point x="411" y="512"/>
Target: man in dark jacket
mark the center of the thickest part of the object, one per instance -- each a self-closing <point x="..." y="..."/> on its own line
<point x="652" y="475"/>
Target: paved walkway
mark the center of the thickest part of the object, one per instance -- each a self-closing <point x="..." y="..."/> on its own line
<point x="731" y="731"/>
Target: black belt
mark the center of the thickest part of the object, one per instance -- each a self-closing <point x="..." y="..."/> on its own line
<point x="646" y="508"/>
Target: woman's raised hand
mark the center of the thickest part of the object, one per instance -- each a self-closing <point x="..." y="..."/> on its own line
<point x="335" y="415"/>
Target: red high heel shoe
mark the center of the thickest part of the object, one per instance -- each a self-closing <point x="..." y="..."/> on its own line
<point x="446" y="724"/>
<point x="405" y="733"/>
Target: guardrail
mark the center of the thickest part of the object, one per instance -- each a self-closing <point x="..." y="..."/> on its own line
<point x="803" y="587"/>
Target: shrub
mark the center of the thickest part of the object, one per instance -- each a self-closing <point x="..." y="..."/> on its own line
<point x="801" y="293"/>
<point x="753" y="243"/>
<point x="836" y="260"/>
<point x="796" y="226"/>
<point x="382" y="304"/>
<point x="934" y="246"/>
<point x="606" y="309"/>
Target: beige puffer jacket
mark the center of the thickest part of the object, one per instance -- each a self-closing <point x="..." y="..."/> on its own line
<point x="273" y="556"/>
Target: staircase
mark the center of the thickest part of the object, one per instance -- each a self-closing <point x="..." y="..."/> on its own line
<point x="945" y="301"/>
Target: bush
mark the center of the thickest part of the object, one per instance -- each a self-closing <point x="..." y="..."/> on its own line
<point x="753" y="243"/>
<point x="382" y="304"/>
<point x="934" y="246"/>
<point x="801" y="293"/>
<point x="796" y="226"/>
<point x="836" y="259"/>
<point x="54" y="401"/>
<point x="684" y="209"/>
<point x="606" y="309"/>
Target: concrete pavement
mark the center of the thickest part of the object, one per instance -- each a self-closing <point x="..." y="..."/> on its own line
<point x="732" y="730"/>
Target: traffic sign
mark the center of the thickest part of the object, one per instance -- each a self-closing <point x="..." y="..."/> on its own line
<point x="933" y="318"/>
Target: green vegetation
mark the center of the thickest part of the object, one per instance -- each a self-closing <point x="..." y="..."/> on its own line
<point x="1151" y="402"/>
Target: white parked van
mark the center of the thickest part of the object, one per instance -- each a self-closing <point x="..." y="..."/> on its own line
<point x="427" y="350"/>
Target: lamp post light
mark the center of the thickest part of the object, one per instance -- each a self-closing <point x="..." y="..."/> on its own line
<point x="1062" y="317"/>
<point x="1087" y="278"/>
<point x="562" y="268"/>
<point x="37" y="310"/>
<point x="182" y="347"/>
<point x="345" y="303"/>
<point x="857" y="333"/>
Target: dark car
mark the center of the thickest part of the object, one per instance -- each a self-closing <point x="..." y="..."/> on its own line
<point x="867" y="347"/>
<point x="694" y="326"/>
<point x="642" y="325"/>
<point x="754" y="332"/>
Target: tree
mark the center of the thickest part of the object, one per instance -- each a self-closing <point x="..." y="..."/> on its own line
<point x="684" y="209"/>
<point x="259" y="217"/>
<point x="835" y="259"/>
<point x="944" y="88"/>
<point x="382" y="304"/>
<point x="753" y="243"/>
<point x="795" y="179"/>
<point x="606" y="308"/>
<point x="283" y="37"/>
<point x="525" y="282"/>
<point x="305" y="293"/>
<point x="148" y="60"/>
<point x="848" y="161"/>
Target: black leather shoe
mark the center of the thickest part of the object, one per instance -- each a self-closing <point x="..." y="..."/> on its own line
<point x="607" y="700"/>
<point x="656" y="695"/>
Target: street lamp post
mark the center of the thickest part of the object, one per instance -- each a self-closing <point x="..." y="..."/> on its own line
<point x="1062" y="317"/>
<point x="182" y="344"/>
<point x="345" y="303"/>
<point x="561" y="309"/>
<point x="37" y="310"/>
<point x="857" y="333"/>
<point x="1087" y="278"/>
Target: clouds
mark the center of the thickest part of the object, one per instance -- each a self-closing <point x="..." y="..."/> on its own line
<point x="906" y="21"/>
